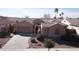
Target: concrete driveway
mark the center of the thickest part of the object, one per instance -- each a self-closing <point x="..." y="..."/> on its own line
<point x="17" y="42"/>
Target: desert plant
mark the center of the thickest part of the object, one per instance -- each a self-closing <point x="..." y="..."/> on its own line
<point x="40" y="38"/>
<point x="48" y="43"/>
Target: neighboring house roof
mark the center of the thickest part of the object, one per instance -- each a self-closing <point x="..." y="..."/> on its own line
<point x="48" y="24"/>
<point x="66" y="22"/>
<point x="15" y="19"/>
<point x="23" y="24"/>
<point x="51" y="24"/>
<point x="34" y="20"/>
<point x="5" y="22"/>
<point x="3" y="18"/>
<point x="74" y="22"/>
<point x="46" y="19"/>
<point x="38" y="21"/>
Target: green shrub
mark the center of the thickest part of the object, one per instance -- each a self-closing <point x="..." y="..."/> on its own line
<point x="48" y="43"/>
<point x="40" y="38"/>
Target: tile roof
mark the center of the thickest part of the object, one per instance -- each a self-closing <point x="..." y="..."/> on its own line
<point x="5" y="22"/>
<point x="22" y="24"/>
<point x="74" y="21"/>
<point x="48" y="24"/>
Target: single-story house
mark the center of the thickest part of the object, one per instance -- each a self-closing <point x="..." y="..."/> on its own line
<point x="28" y="26"/>
<point x="46" y="26"/>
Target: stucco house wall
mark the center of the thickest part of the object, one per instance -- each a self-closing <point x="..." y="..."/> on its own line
<point x="23" y="27"/>
<point x="4" y="27"/>
<point x="56" y="30"/>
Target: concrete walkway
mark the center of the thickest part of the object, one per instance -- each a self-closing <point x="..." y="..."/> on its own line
<point x="17" y="42"/>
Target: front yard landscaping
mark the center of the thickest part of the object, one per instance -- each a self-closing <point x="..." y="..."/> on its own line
<point x="65" y="41"/>
<point x="41" y="42"/>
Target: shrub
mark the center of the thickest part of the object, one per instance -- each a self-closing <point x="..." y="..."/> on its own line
<point x="48" y="43"/>
<point x="40" y="38"/>
<point x="3" y="34"/>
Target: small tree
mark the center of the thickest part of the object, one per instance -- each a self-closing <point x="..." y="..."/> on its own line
<point x="48" y="43"/>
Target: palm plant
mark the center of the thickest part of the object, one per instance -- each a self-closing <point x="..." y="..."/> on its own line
<point x="56" y="11"/>
<point x="62" y="14"/>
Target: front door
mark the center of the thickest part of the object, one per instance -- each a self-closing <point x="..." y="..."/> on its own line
<point x="36" y="29"/>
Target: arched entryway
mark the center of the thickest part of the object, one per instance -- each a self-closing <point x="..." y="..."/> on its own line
<point x="37" y="29"/>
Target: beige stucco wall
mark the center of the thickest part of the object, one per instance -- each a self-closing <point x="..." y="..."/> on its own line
<point x="5" y="26"/>
<point x="23" y="27"/>
<point x="50" y="32"/>
<point x="44" y="31"/>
